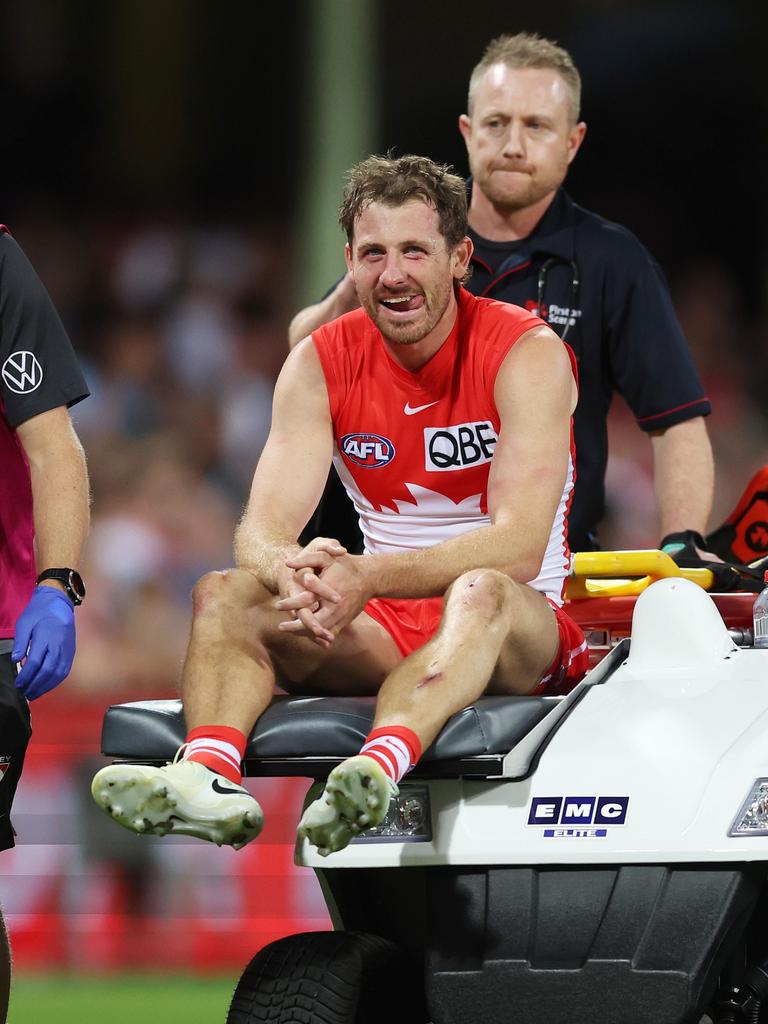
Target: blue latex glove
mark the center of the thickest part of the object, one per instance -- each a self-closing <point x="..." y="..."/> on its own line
<point x="45" y="635"/>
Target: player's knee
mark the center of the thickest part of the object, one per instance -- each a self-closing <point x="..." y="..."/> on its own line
<point x="223" y="592"/>
<point x="486" y="592"/>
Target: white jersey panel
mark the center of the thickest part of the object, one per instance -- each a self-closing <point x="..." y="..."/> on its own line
<point x="556" y="563"/>
<point x="433" y="517"/>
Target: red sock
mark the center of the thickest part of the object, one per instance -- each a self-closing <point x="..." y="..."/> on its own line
<point x="219" y="747"/>
<point x="395" y="747"/>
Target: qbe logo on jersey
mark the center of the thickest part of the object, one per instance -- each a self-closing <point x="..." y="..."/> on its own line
<point x="368" y="450"/>
<point x="578" y="817"/>
<point x="458" y="447"/>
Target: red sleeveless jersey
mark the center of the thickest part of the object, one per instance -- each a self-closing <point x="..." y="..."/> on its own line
<point x="413" y="450"/>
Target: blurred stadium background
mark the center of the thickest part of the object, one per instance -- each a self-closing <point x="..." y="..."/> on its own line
<point x="177" y="194"/>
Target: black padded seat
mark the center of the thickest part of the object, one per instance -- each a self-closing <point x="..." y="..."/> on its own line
<point x="307" y="736"/>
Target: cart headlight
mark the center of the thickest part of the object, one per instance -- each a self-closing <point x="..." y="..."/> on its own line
<point x="409" y="819"/>
<point x="752" y="819"/>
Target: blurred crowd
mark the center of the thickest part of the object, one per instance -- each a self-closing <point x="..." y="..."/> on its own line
<point x="730" y="347"/>
<point x="181" y="332"/>
<point x="181" y="329"/>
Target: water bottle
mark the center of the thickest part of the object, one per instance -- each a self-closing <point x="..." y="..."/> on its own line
<point x="760" y="616"/>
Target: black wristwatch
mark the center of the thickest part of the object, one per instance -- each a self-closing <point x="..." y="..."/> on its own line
<point x="71" y="580"/>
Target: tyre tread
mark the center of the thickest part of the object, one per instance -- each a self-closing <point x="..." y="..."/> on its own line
<point x="311" y="978"/>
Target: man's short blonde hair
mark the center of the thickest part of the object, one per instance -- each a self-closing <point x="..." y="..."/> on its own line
<point x="528" y="50"/>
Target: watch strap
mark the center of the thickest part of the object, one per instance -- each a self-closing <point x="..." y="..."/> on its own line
<point x="66" y="576"/>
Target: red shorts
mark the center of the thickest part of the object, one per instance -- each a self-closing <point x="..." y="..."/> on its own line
<point x="411" y="622"/>
<point x="571" y="661"/>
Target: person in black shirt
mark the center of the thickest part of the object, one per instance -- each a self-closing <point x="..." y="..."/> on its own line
<point x="591" y="279"/>
<point x="44" y="516"/>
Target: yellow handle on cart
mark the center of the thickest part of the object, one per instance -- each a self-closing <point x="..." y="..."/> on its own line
<point x="628" y="573"/>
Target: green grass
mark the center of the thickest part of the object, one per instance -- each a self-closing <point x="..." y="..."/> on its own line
<point x="123" y="999"/>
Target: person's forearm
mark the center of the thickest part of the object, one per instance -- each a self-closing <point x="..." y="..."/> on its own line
<point x="683" y="477"/>
<point x="428" y="572"/>
<point x="61" y="502"/>
<point x="341" y="300"/>
<point x="309" y="319"/>
<point x="261" y="550"/>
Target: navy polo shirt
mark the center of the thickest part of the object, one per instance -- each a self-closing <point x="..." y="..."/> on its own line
<point x="620" y="324"/>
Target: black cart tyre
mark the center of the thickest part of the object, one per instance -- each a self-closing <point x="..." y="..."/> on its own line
<point x="329" y="978"/>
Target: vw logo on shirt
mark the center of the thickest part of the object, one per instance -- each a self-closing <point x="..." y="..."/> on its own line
<point x="22" y="372"/>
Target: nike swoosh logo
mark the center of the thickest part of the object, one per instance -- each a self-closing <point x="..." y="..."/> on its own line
<point x="218" y="788"/>
<point x="410" y="410"/>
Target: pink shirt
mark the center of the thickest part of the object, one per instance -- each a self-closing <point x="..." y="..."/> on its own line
<point x="17" y="559"/>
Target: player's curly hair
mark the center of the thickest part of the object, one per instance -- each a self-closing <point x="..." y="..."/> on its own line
<point x="394" y="180"/>
<point x="529" y="50"/>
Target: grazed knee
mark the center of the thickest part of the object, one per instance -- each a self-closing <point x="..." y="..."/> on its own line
<point x="225" y="593"/>
<point x="486" y="593"/>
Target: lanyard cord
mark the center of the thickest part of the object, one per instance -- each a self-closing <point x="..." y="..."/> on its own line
<point x="542" y="283"/>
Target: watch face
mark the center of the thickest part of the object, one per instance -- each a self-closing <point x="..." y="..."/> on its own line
<point x="76" y="583"/>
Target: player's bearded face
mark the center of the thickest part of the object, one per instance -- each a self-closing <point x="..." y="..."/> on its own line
<point x="407" y="316"/>
<point x="403" y="270"/>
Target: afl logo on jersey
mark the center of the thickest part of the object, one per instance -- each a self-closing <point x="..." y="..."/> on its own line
<point x="368" y="450"/>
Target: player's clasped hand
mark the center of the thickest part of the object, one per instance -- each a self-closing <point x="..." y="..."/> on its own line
<point x="342" y="573"/>
<point x="307" y="592"/>
<point x="45" y="640"/>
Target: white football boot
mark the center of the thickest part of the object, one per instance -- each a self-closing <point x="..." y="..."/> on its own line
<point x="182" y="798"/>
<point x="357" y="796"/>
